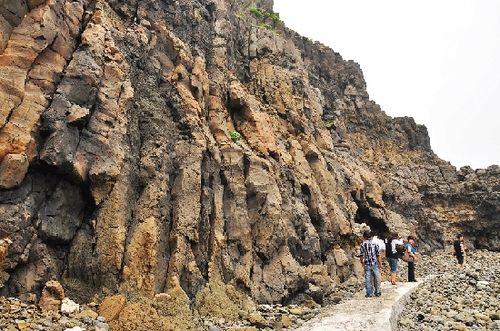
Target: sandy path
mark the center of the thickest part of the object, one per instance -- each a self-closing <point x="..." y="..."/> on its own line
<point x="360" y="313"/>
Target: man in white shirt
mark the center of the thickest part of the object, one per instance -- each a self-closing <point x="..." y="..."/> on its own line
<point x="380" y="243"/>
<point x="381" y="248"/>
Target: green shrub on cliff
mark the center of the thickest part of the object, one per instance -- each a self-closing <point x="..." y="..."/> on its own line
<point x="264" y="14"/>
<point x="235" y="136"/>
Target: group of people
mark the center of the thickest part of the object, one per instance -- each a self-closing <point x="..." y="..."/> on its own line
<point x="374" y="249"/>
<point x="394" y="248"/>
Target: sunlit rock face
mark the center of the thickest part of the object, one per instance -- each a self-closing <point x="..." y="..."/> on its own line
<point x="201" y="147"/>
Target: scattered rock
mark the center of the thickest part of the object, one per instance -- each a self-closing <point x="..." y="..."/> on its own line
<point x="75" y="328"/>
<point x="297" y="311"/>
<point x="462" y="299"/>
<point x="286" y="321"/>
<point x="111" y="307"/>
<point x="52" y="295"/>
<point x="258" y="320"/>
<point x="68" y="306"/>
<point x="87" y="313"/>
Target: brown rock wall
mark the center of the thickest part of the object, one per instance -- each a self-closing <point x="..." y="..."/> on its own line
<point x="119" y="172"/>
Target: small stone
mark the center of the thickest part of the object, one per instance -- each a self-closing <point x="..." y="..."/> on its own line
<point x="458" y="326"/>
<point x="405" y="321"/>
<point x="100" y="326"/>
<point x="87" y="313"/>
<point x="75" y="328"/>
<point x="111" y="307"/>
<point x="311" y="304"/>
<point x="286" y="321"/>
<point x="257" y="319"/>
<point x="23" y="325"/>
<point x="482" y="317"/>
<point x="296" y="311"/>
<point x="68" y="306"/>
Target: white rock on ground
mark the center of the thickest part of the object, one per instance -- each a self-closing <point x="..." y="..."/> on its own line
<point x="360" y="313"/>
<point x="76" y="328"/>
<point x="68" y="306"/>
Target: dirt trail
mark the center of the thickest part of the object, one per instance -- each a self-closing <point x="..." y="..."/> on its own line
<point x="360" y="313"/>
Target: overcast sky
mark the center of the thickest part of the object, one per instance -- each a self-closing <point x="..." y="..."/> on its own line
<point x="435" y="60"/>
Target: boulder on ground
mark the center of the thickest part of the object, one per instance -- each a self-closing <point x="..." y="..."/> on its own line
<point x="111" y="307"/>
<point x="52" y="295"/>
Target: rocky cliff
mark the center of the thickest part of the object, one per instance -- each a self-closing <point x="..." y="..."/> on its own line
<point x="201" y="148"/>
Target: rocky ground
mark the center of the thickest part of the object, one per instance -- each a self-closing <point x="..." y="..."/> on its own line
<point x="436" y="305"/>
<point x="69" y="316"/>
<point x="457" y="299"/>
<point x="20" y="316"/>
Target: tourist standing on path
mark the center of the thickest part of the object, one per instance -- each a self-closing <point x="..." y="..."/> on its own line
<point x="396" y="242"/>
<point x="380" y="244"/>
<point x="381" y="249"/>
<point x="370" y="258"/>
<point x="459" y="249"/>
<point x="411" y="251"/>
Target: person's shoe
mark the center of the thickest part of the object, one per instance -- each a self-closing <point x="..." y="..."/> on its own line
<point x="368" y="296"/>
<point x="378" y="294"/>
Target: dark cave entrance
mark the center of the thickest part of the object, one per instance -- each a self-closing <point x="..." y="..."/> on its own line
<point x="377" y="225"/>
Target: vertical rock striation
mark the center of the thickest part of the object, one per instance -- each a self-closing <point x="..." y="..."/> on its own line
<point x="118" y="170"/>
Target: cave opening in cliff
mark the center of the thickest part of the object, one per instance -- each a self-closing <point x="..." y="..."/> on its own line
<point x="376" y="224"/>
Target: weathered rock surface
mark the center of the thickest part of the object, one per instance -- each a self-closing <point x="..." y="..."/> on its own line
<point x="52" y="296"/>
<point x="18" y="315"/>
<point x="119" y="173"/>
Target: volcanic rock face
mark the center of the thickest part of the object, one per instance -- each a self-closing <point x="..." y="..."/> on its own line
<point x="118" y="169"/>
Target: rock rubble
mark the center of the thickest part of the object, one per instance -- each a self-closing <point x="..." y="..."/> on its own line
<point x="458" y="299"/>
<point x="16" y="315"/>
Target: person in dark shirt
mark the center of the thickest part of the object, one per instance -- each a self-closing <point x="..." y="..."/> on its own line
<point x="370" y="258"/>
<point x="459" y="247"/>
<point x="410" y="248"/>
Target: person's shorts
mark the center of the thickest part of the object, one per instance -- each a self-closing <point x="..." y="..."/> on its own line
<point x="460" y="259"/>
<point x="393" y="263"/>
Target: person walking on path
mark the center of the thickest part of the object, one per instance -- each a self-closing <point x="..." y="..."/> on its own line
<point x="396" y="243"/>
<point x="459" y="250"/>
<point x="370" y="258"/>
<point x="410" y="252"/>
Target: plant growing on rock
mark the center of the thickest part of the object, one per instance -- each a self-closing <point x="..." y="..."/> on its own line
<point x="264" y="14"/>
<point x="257" y="12"/>
<point x="265" y="26"/>
<point x="235" y="136"/>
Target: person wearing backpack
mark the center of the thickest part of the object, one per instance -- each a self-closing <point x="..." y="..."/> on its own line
<point x="409" y="257"/>
<point x="396" y="250"/>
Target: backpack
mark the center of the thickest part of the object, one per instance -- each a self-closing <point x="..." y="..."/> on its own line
<point x="388" y="249"/>
<point x="400" y="249"/>
<point x="406" y="257"/>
